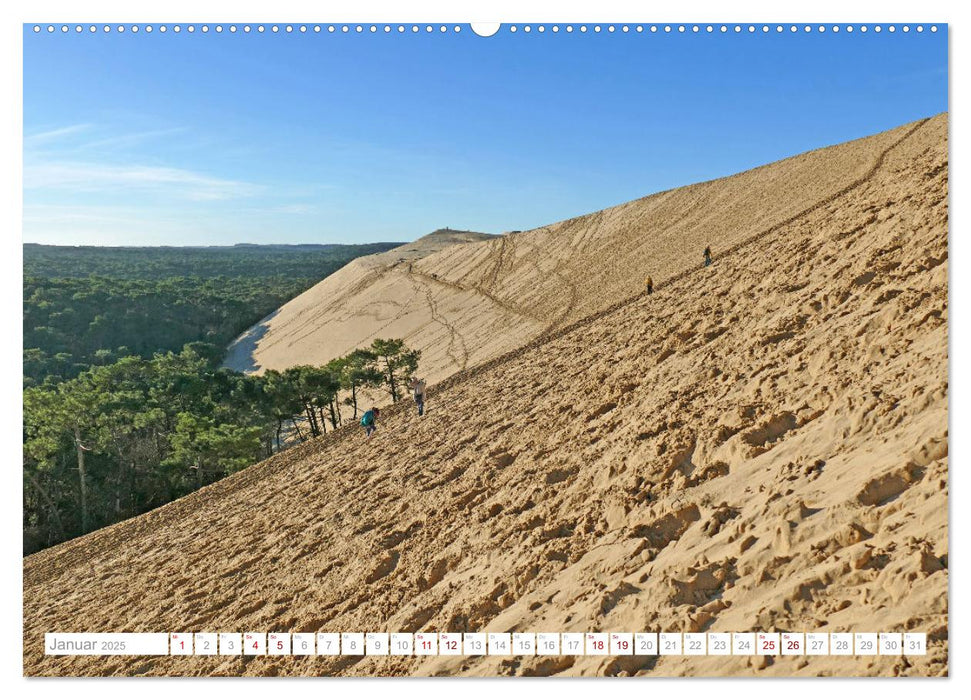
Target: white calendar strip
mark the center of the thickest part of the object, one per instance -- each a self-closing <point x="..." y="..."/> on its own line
<point x="488" y="643"/>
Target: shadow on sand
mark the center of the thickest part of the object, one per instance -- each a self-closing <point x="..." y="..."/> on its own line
<point x="239" y="356"/>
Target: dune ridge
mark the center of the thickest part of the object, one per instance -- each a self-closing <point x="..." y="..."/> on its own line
<point x="467" y="303"/>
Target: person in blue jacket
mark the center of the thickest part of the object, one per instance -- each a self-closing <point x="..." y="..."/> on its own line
<point x="370" y="421"/>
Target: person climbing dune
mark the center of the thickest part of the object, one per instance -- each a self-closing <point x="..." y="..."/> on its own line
<point x="418" y="386"/>
<point x="707" y="255"/>
<point x="649" y="284"/>
<point x="370" y="421"/>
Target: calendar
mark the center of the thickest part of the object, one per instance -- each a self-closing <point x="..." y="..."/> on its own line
<point x="520" y="644"/>
<point x="518" y="348"/>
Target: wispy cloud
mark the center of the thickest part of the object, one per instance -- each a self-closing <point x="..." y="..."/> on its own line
<point x="155" y="183"/>
<point x="89" y="159"/>
<point x="42" y="137"/>
<point x="127" y="140"/>
<point x="98" y="177"/>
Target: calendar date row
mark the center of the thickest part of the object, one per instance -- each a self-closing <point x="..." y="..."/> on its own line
<point x="488" y="643"/>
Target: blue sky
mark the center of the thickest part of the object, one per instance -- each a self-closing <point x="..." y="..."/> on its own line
<point x="209" y="139"/>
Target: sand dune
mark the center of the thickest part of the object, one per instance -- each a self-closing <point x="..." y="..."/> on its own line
<point x="374" y="296"/>
<point x="760" y="445"/>
<point x="465" y="304"/>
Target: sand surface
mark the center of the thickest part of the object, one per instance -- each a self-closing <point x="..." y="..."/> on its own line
<point x="759" y="445"/>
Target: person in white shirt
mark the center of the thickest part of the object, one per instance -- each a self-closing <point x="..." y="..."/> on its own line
<point x="418" y="386"/>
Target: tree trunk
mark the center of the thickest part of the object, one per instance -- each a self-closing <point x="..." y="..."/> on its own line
<point x="354" y="399"/>
<point x="133" y="486"/>
<point x="314" y="430"/>
<point x="55" y="513"/>
<point x="279" y="429"/>
<point x="392" y="384"/>
<point x="119" y="484"/>
<point x="81" y="477"/>
<point x="296" y="426"/>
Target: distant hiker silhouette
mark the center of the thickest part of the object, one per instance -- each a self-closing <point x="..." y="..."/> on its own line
<point x="370" y="421"/>
<point x="707" y="256"/>
<point x="418" y="386"/>
<point x="649" y="283"/>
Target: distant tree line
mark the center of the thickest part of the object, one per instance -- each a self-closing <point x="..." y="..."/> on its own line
<point x="85" y="307"/>
<point x="122" y="438"/>
<point x="72" y="324"/>
<point x="302" y="262"/>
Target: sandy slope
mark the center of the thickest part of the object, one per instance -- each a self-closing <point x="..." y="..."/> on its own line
<point x="761" y="444"/>
<point x="465" y="304"/>
<point x="374" y="296"/>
